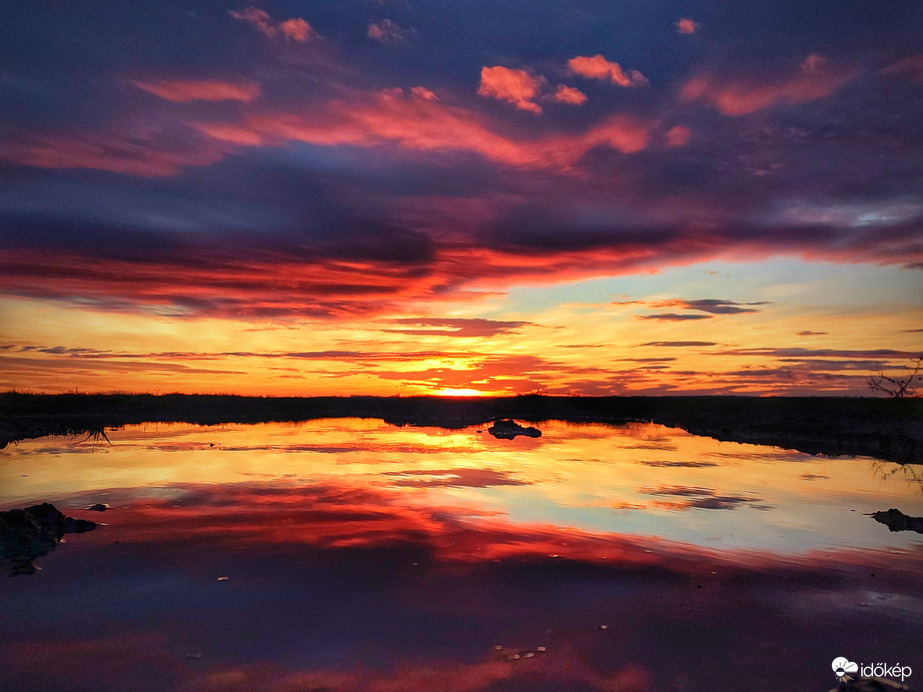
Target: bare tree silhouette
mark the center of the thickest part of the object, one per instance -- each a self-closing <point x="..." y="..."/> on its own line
<point x="898" y="387"/>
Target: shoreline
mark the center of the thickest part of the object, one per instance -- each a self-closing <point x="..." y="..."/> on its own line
<point x="889" y="429"/>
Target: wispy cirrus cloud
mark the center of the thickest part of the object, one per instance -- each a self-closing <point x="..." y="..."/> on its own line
<point x="816" y="78"/>
<point x="884" y="354"/>
<point x="388" y="32"/>
<point x="911" y="66"/>
<point x="713" y="305"/>
<point x="456" y="327"/>
<point x="415" y="121"/>
<point x="186" y="90"/>
<point x="680" y="344"/>
<point x="673" y="317"/>
<point x="294" y="29"/>
<point x="149" y="151"/>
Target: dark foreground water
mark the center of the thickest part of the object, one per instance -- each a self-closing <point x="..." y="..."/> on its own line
<point x="349" y="555"/>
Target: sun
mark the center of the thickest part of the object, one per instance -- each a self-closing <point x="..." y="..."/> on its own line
<point x="460" y="392"/>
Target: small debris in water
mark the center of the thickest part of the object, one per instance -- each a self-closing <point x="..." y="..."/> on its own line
<point x="604" y="627"/>
<point x="192" y="655"/>
<point x="498" y="647"/>
<point x="99" y="507"/>
<point x="541" y="649"/>
<point x="223" y="578"/>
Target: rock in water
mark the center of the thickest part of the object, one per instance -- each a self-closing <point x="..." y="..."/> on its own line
<point x="507" y="429"/>
<point x="896" y="520"/>
<point x="27" y="534"/>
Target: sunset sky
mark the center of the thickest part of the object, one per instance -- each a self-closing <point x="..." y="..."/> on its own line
<point x="427" y="197"/>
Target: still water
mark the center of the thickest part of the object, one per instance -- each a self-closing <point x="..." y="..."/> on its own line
<point x="349" y="555"/>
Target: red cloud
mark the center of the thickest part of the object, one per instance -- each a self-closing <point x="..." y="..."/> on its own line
<point x="419" y="122"/>
<point x="567" y="94"/>
<point x="686" y="26"/>
<point x="597" y="67"/>
<point x="514" y="86"/>
<point x="183" y="91"/>
<point x="816" y="79"/>
<point x="912" y="66"/>
<point x="295" y="29"/>
<point x="415" y="121"/>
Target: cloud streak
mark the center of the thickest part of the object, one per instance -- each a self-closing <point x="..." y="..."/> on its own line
<point x="816" y="79"/>
<point x="388" y="32"/>
<point x="184" y="91"/>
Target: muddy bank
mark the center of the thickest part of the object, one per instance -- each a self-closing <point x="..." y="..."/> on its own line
<point x="28" y="534"/>
<point x="890" y="429"/>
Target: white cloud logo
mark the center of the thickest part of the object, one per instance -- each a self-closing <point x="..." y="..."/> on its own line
<point x="841" y="666"/>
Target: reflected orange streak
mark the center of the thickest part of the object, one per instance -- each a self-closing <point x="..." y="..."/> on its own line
<point x="329" y="517"/>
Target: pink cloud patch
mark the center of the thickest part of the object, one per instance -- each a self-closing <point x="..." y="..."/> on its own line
<point x="686" y="26"/>
<point x="295" y="29"/>
<point x="912" y="66"/>
<point x="514" y="86"/>
<point x="566" y="94"/>
<point x="816" y="79"/>
<point x="258" y="19"/>
<point x="597" y="67"/>
<point x="387" y="32"/>
<point x="678" y="135"/>
<point x="423" y="93"/>
<point x="185" y="90"/>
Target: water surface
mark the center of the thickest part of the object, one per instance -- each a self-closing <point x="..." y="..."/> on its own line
<point x="361" y="556"/>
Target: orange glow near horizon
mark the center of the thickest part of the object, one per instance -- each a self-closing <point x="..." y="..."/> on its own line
<point x="764" y="343"/>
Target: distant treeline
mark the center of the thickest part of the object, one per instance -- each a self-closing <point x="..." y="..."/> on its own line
<point x="884" y="428"/>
